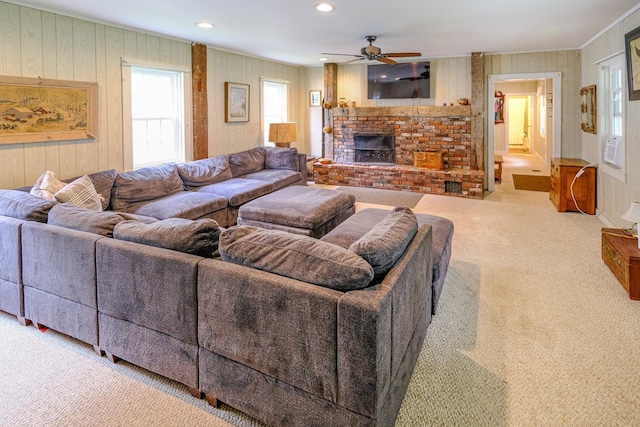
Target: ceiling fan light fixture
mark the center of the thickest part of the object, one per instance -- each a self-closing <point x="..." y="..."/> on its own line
<point x="323" y="7"/>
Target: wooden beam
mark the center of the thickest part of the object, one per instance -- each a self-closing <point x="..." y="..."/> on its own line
<point x="199" y="99"/>
<point x="477" y="111"/>
<point x="330" y="96"/>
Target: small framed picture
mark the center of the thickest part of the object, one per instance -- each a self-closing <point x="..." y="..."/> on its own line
<point x="236" y="102"/>
<point x="314" y="98"/>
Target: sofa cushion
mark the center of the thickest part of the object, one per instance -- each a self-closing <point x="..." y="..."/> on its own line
<point x="81" y="193"/>
<point x="247" y="161"/>
<point x="22" y="205"/>
<point x="281" y="158"/>
<point x="97" y="222"/>
<point x="47" y="185"/>
<point x="238" y="190"/>
<point x="185" y="204"/>
<point x="204" y="172"/>
<point x="140" y="185"/>
<point x="278" y="177"/>
<point x="199" y="237"/>
<point x="298" y="257"/>
<point x="386" y="242"/>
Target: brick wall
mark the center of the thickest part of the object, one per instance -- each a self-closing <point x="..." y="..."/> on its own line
<point x="449" y="134"/>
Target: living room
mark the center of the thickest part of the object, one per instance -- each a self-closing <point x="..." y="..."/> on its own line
<point x="42" y="43"/>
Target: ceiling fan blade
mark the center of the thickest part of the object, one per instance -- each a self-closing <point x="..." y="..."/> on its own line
<point x="387" y="60"/>
<point x="341" y="54"/>
<point x="403" y="54"/>
<point x="354" y="60"/>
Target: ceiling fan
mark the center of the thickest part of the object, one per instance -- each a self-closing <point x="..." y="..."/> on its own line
<point x="373" y="53"/>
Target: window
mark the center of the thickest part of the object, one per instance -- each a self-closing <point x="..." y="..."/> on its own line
<point x="157" y="115"/>
<point x="274" y="105"/>
<point x="612" y="118"/>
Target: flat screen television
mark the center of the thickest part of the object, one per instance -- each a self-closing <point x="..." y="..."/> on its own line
<point x="397" y="81"/>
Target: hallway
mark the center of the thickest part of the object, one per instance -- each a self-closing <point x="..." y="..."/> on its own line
<point x="521" y="164"/>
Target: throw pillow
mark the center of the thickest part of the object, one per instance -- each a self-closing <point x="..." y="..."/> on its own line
<point x="98" y="222"/>
<point x="298" y="257"/>
<point x="81" y="193"/>
<point x="281" y="158"/>
<point x="197" y="237"/>
<point x="204" y="172"/>
<point x="25" y="206"/>
<point x="383" y="245"/>
<point x="47" y="185"/>
<point x="103" y="183"/>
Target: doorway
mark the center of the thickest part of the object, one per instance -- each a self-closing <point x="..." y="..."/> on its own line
<point x="518" y="120"/>
<point x="552" y="145"/>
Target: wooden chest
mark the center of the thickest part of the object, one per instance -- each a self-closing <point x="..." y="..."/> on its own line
<point x="563" y="188"/>
<point x="622" y="256"/>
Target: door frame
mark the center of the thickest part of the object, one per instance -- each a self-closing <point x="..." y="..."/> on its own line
<point x="556" y="112"/>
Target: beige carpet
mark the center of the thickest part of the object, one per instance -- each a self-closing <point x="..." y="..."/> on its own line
<point x="532" y="330"/>
<point x="383" y="197"/>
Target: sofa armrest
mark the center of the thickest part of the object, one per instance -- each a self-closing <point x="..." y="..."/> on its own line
<point x="302" y="167"/>
<point x="376" y="326"/>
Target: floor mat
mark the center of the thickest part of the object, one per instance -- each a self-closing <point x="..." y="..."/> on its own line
<point x="531" y="182"/>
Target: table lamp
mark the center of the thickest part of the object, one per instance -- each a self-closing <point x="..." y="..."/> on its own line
<point x="282" y="134"/>
<point x="633" y="215"/>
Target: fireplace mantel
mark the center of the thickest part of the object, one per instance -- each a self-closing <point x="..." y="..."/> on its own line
<point x="406" y="111"/>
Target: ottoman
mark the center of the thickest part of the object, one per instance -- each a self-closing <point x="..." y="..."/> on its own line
<point x="299" y="209"/>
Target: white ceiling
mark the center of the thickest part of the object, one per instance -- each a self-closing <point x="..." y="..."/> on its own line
<point x="292" y="31"/>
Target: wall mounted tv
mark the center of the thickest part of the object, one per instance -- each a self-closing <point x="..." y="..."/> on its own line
<point x="397" y="81"/>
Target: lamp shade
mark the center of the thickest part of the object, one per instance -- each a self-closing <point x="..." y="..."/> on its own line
<point x="633" y="213"/>
<point x="282" y="134"/>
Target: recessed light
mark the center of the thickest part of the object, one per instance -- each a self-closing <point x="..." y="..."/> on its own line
<point x="323" y="59"/>
<point x="323" y="7"/>
<point x="204" y="25"/>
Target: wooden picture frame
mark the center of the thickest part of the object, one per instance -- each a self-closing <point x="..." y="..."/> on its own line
<point x="43" y="110"/>
<point x="236" y="102"/>
<point x="315" y="97"/>
<point x="632" y="49"/>
<point x="588" y="108"/>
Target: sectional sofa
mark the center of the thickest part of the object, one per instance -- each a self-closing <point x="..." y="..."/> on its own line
<point x="290" y="329"/>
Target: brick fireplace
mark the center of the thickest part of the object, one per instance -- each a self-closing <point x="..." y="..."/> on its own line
<point x="446" y="130"/>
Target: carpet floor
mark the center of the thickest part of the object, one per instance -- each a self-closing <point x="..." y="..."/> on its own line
<point x="532" y="330"/>
<point x="532" y="182"/>
<point x="384" y="197"/>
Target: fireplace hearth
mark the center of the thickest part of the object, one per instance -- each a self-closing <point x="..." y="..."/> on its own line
<point x="374" y="148"/>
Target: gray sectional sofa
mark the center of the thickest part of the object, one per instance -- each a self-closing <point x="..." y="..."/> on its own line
<point x="329" y="328"/>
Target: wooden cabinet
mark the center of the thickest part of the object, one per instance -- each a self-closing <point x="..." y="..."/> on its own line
<point x="563" y="172"/>
<point x="621" y="254"/>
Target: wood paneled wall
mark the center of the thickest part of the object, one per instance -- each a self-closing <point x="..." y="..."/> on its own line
<point x="34" y="43"/>
<point x="224" y="66"/>
<point x="614" y="196"/>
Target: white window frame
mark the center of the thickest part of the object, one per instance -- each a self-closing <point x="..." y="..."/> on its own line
<point x="606" y="112"/>
<point x="283" y="114"/>
<point x="186" y="150"/>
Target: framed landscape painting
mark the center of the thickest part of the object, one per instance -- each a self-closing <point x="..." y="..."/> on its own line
<point x="236" y="102"/>
<point x="41" y="110"/>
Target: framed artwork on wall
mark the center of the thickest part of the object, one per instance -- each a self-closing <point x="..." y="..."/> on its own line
<point x="43" y="110"/>
<point x="498" y="107"/>
<point x="632" y="49"/>
<point x="236" y="102"/>
<point x="588" y="109"/>
<point x="314" y="98"/>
